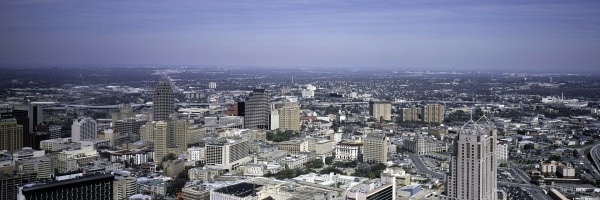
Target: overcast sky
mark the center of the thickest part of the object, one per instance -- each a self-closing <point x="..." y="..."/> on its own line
<point x="436" y="34"/>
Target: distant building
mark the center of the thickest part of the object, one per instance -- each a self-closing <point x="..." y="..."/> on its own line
<point x="212" y="85"/>
<point x="380" y="110"/>
<point x="173" y="167"/>
<point x="125" y="113"/>
<point x="289" y="116"/>
<point x="502" y="152"/>
<point x="257" y="110"/>
<point x="58" y="144"/>
<point x="84" y="129"/>
<point x="433" y="113"/>
<point x="163" y="101"/>
<point x="196" y="192"/>
<point x="429" y="113"/>
<point x="55" y="131"/>
<point x="240" y="191"/>
<point x="421" y="145"/>
<point x="129" y="128"/>
<point x="348" y="150"/>
<point x="375" y="148"/>
<point x="11" y="134"/>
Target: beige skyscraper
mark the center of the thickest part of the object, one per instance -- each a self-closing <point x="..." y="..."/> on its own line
<point x="375" y="148"/>
<point x="178" y="135"/>
<point x="161" y="132"/>
<point x="11" y="134"/>
<point x="289" y="116"/>
<point x="147" y="132"/>
<point x="433" y="113"/>
<point x="381" y="110"/>
<point x="473" y="163"/>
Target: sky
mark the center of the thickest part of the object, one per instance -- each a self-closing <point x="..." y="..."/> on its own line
<point x="542" y="35"/>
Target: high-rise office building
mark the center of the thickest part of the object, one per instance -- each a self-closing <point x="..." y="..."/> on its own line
<point x="257" y="110"/>
<point x="93" y="187"/>
<point x="473" y="163"/>
<point x="11" y="134"/>
<point x="84" y="129"/>
<point x="163" y="101"/>
<point x="289" y="116"/>
<point x="375" y="148"/>
<point x="380" y="110"/>
<point x="161" y="142"/>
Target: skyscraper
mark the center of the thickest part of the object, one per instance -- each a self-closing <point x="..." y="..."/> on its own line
<point x="375" y="148"/>
<point x="257" y="110"/>
<point x="84" y="129"/>
<point x="163" y="101"/>
<point x="473" y="163"/>
<point x="11" y="134"/>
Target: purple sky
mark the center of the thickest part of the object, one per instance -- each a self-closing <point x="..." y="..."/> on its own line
<point x="491" y="34"/>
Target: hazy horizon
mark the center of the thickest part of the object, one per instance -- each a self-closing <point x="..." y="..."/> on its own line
<point x="532" y="36"/>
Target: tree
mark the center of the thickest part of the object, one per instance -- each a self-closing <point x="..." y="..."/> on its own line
<point x="329" y="160"/>
<point x="575" y="153"/>
<point x="528" y="147"/>
<point x="316" y="163"/>
<point x="170" y="156"/>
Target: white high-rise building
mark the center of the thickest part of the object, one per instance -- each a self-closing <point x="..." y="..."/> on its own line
<point x="84" y="129"/>
<point x="473" y="163"/>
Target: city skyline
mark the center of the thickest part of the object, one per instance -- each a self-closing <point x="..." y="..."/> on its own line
<point x="514" y="35"/>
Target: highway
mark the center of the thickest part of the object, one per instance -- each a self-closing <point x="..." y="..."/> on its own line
<point x="595" y="154"/>
<point x="536" y="192"/>
<point x="418" y="163"/>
